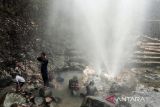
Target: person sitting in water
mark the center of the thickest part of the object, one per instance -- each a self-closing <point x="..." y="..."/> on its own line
<point x="73" y="82"/>
<point x="74" y="85"/>
<point x="91" y="89"/>
<point x="19" y="81"/>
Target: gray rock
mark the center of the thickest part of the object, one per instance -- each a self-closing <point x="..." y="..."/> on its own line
<point x="30" y="87"/>
<point x="149" y="105"/>
<point x="46" y="92"/>
<point x="116" y="88"/>
<point x="12" y="98"/>
<point x="156" y="90"/>
<point x="52" y="104"/>
<point x="48" y="99"/>
<point x="123" y="104"/>
<point x="38" y="101"/>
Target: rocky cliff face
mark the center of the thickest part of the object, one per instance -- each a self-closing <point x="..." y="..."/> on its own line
<point x="24" y="35"/>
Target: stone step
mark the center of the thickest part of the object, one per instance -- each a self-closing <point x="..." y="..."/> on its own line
<point x="146" y="38"/>
<point x="148" y="49"/>
<point x="147" y="53"/>
<point x="138" y="63"/>
<point x="150" y="44"/>
<point x="146" y="62"/>
<point x="147" y="57"/>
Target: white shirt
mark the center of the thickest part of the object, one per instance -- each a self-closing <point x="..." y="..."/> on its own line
<point x="19" y="79"/>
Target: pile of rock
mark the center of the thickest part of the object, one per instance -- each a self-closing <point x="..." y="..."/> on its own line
<point x="12" y="98"/>
<point x="43" y="97"/>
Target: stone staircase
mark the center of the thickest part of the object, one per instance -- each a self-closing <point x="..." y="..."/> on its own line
<point x="147" y="52"/>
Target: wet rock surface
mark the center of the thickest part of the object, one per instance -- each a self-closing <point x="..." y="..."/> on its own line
<point x="151" y="99"/>
<point x="12" y="98"/>
<point x="148" y="105"/>
<point x="59" y="96"/>
<point x="150" y="78"/>
<point x="38" y="101"/>
<point x="46" y="92"/>
<point x="116" y="88"/>
<point x="123" y="104"/>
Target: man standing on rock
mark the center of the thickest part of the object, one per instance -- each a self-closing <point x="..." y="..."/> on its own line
<point x="44" y="71"/>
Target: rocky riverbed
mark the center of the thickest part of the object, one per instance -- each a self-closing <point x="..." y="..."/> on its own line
<point x="58" y="95"/>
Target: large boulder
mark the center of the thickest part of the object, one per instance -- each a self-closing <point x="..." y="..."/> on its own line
<point x="121" y="89"/>
<point x="12" y="98"/>
<point x="115" y="88"/>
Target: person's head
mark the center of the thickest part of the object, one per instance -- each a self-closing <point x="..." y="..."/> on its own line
<point x="13" y="75"/>
<point x="43" y="55"/>
<point x="16" y="62"/>
<point x="75" y="78"/>
<point x="91" y="83"/>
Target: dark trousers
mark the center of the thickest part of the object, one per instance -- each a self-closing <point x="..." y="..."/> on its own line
<point x="19" y="85"/>
<point x="45" y="79"/>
